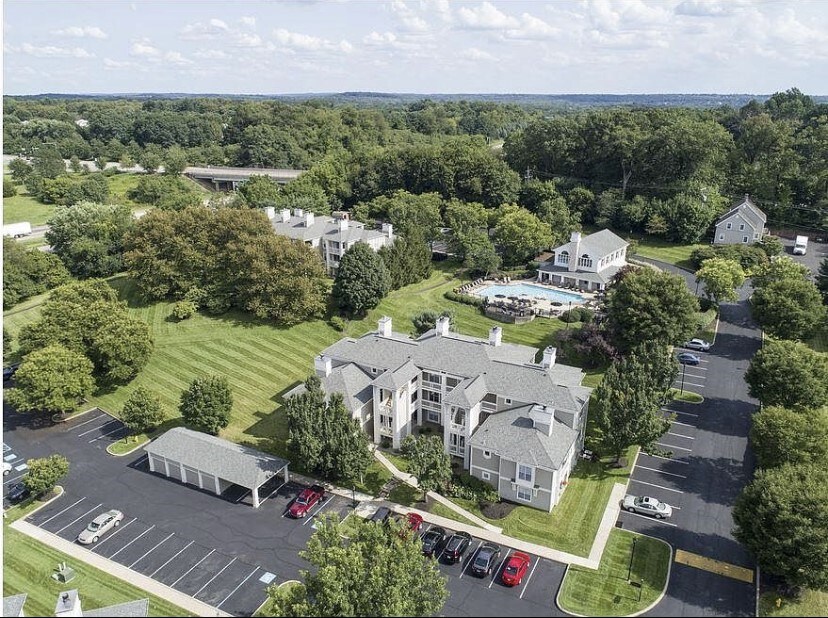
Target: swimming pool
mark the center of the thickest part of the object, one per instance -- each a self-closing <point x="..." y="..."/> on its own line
<point x="526" y="289"/>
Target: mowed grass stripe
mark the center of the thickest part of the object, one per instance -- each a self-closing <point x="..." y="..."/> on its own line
<point x="239" y="354"/>
<point x="300" y="352"/>
<point x="250" y="374"/>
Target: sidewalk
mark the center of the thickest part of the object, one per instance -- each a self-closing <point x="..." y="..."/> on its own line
<point x="412" y="480"/>
<point x="118" y="570"/>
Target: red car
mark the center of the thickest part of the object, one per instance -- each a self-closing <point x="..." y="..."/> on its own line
<point x="306" y="500"/>
<point x="515" y="568"/>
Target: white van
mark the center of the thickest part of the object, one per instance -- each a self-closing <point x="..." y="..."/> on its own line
<point x="801" y="245"/>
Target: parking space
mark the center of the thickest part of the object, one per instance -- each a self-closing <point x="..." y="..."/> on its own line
<point x="17" y="468"/>
<point x="210" y="575"/>
<point x="97" y="428"/>
<point x="692" y="377"/>
<point x="480" y="596"/>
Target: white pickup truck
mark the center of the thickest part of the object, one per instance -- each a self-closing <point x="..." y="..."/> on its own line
<point x="800" y="245"/>
<point x="16" y="230"/>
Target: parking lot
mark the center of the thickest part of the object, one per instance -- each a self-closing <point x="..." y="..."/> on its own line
<point x="18" y="468"/>
<point x="98" y="428"/>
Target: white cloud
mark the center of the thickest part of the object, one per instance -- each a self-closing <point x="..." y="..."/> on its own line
<point x="200" y="31"/>
<point x="533" y="28"/>
<point x="177" y="58"/>
<point x="486" y="17"/>
<point x="211" y="54"/>
<point x="441" y="7"/>
<point x="93" y="32"/>
<point x="709" y="8"/>
<point x="109" y="63"/>
<point x="143" y="47"/>
<point x="248" y="21"/>
<point x="50" y="51"/>
<point x="407" y="17"/>
<point x="473" y="53"/>
<point x="296" y="41"/>
<point x="243" y="39"/>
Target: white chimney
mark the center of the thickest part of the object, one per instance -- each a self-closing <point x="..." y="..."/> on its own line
<point x="384" y="327"/>
<point x="270" y="212"/>
<point x="298" y="212"/>
<point x="322" y="366"/>
<point x="68" y="604"/>
<point x="341" y="214"/>
<point x="576" y="251"/>
<point x="543" y="418"/>
<point x="442" y="326"/>
<point x="388" y="230"/>
<point x="549" y="355"/>
<point x="285" y="215"/>
<point x="308" y="219"/>
<point x="343" y="225"/>
<point x="495" y="336"/>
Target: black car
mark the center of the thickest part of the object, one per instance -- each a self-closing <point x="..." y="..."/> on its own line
<point x="381" y="514"/>
<point x="433" y="541"/>
<point x="17" y="492"/>
<point x="485" y="560"/>
<point x="8" y="372"/>
<point x="457" y="546"/>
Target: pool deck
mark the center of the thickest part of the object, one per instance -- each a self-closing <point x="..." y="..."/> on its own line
<point x="539" y="302"/>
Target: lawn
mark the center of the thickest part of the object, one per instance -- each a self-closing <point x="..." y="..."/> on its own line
<point x="810" y="603"/>
<point x="28" y="566"/>
<point x="119" y="185"/>
<point x="572" y="524"/>
<point x="23" y="207"/>
<point x="664" y="251"/>
<point x="607" y="591"/>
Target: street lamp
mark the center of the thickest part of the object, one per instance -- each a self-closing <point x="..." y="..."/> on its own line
<point x="683" y="372"/>
<point x="569" y="315"/>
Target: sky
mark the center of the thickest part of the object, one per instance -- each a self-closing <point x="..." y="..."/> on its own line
<point x="415" y="46"/>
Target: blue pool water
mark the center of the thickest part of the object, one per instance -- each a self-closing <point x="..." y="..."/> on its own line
<point x="518" y="289"/>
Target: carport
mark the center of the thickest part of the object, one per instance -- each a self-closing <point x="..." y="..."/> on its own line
<point x="211" y="463"/>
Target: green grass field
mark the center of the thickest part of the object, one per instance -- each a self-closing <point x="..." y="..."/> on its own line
<point x="658" y="249"/>
<point x="607" y="592"/>
<point x="23" y="207"/>
<point x="810" y="603"/>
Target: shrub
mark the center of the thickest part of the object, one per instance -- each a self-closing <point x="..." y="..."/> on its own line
<point x="468" y="487"/>
<point x="338" y="323"/>
<point x="184" y="309"/>
<point x="9" y="189"/>
<point x="385" y="442"/>
<point x="705" y="304"/>
<point x="570" y="316"/>
<point x="426" y="320"/>
<point x="474" y="301"/>
<point x="496" y="510"/>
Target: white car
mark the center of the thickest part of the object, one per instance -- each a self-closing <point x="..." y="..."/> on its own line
<point x="647" y="506"/>
<point x="99" y="526"/>
<point x="7" y="467"/>
<point x="698" y="344"/>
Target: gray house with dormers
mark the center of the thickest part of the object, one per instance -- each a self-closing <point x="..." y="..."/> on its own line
<point x="742" y="224"/>
<point x="586" y="262"/>
<point x="513" y="422"/>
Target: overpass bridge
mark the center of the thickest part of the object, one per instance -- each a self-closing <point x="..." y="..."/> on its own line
<point x="229" y="178"/>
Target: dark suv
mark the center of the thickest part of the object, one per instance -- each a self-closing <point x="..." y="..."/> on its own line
<point x="433" y="541"/>
<point x="485" y="560"/>
<point x="17" y="492"/>
<point x="457" y="546"/>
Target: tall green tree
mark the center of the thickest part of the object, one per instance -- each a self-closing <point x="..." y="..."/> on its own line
<point x="781" y="436"/>
<point x="822" y="280"/>
<point x="207" y="403"/>
<point x="651" y="305"/>
<point x="781" y="517"/>
<point x="721" y="278"/>
<point x="408" y="213"/>
<point x="175" y="161"/>
<point x="520" y="234"/>
<point x="28" y="272"/>
<point x="142" y="411"/>
<point x="789" y="374"/>
<point x="51" y="379"/>
<point x="789" y="308"/>
<point x="260" y="191"/>
<point x="779" y="268"/>
<point x="480" y="255"/>
<point x="362" y="280"/>
<point x="48" y="163"/>
<point x="376" y="572"/>
<point x="44" y="473"/>
<point x="428" y="461"/>
<point x="408" y="260"/>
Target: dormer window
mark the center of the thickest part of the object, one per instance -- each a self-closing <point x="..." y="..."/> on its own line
<point x="585" y="260"/>
<point x="563" y="257"/>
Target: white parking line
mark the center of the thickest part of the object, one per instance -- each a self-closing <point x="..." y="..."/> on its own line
<point x="134" y="519"/>
<point x="172" y="585"/>
<point x="214" y="576"/>
<point x="242" y="497"/>
<point x="469" y="561"/>
<point x="525" y="585"/>
<point x="175" y="555"/>
<point x="660" y="521"/>
<point x="131" y="542"/>
<point x="659" y="486"/>
<point x="61" y="512"/>
<point x="80" y="435"/>
<point x="677" y="383"/>
<point x="91" y="420"/>
<point x="682" y="413"/>
<point x="683" y="424"/>
<point x="680" y="435"/>
<point x="273" y="493"/>
<point x="684" y="463"/>
<point x="141" y="460"/>
<point x="319" y="510"/>
<point x="680" y="448"/>
<point x="661" y="471"/>
<point x="13" y="479"/>
<point x="81" y="517"/>
<point x="101" y="437"/>
<point x="237" y="587"/>
<point x="502" y="566"/>
<point x="152" y="550"/>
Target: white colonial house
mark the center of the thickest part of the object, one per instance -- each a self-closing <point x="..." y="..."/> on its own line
<point x="332" y="236"/>
<point x="513" y="422"/>
<point x="586" y="262"/>
<point x="742" y="224"/>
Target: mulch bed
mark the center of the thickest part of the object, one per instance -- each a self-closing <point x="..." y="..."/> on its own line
<point x="496" y="510"/>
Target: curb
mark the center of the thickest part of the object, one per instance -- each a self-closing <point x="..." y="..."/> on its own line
<point x="57" y="418"/>
<point x="130" y="451"/>
<point x="58" y="488"/>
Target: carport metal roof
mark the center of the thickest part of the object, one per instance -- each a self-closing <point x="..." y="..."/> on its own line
<point x="227" y="460"/>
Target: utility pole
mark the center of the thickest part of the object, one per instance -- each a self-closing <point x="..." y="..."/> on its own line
<point x="683" y="372"/>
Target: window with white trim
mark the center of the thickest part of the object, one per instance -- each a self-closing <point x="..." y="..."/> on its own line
<point x="487" y="454"/>
<point x="508" y="401"/>
<point x="373" y="369"/>
<point x="721" y="236"/>
<point x="741" y="227"/>
<point x="485" y="475"/>
<point x="524" y="493"/>
<point x="433" y="417"/>
<point x="526" y="473"/>
<point x="744" y="238"/>
<point x="730" y="226"/>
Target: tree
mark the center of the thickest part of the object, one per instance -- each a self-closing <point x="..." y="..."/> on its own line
<point x="771" y="245"/>
<point x="628" y="401"/>
<point x="520" y="234"/>
<point x="142" y="411"/>
<point x="403" y="581"/>
<point x="43" y="473"/>
<point x="150" y="161"/>
<point x="428" y="461"/>
<point x="648" y="305"/>
<point x="121" y="348"/>
<point x="788" y="374"/>
<point x="175" y="161"/>
<point x="75" y="164"/>
<point x="689" y="217"/>
<point x="822" y="280"/>
<point x="362" y="280"/>
<point x="28" y="272"/>
<point x="789" y="308"/>
<point x="464" y="219"/>
<point x="782" y="518"/>
<point x="48" y="163"/>
<point x="781" y="436"/>
<point x="779" y="268"/>
<point x="207" y="403"/>
<point x="480" y="254"/>
<point x="721" y="278"/>
<point x="407" y="212"/>
<point x="51" y="379"/>
<point x="20" y="169"/>
<point x="9" y="190"/>
<point x="260" y="191"/>
<point x="184" y="309"/>
<point x="426" y="320"/>
<point x="408" y="260"/>
<point x="88" y="237"/>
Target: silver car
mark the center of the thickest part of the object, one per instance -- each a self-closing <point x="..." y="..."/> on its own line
<point x="99" y="526"/>
<point x="698" y="344"/>
<point x="647" y="506"/>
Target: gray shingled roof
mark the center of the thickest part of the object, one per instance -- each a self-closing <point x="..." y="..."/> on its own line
<point x="323" y="226"/>
<point x="352" y="382"/>
<point x="241" y="173"/>
<point x="13" y="604"/>
<point x="511" y="434"/>
<point x="130" y="608"/>
<point x="468" y="392"/>
<point x="747" y="209"/>
<point x="596" y="245"/>
<point x="227" y="460"/>
<point x="605" y="276"/>
<point x="397" y="378"/>
<point x="509" y="369"/>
